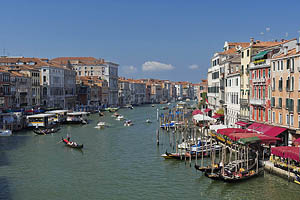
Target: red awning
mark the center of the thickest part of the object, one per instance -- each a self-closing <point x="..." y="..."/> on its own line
<point x="275" y="131"/>
<point x="196" y="112"/>
<point x="228" y="131"/>
<point x="297" y="141"/>
<point x="262" y="137"/>
<point x="241" y="123"/>
<point x="286" y="152"/>
<point x="207" y="110"/>
<point x="216" y="116"/>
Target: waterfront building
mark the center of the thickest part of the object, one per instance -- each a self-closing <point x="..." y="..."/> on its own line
<point x="260" y="81"/>
<point x="89" y="66"/>
<point x="124" y="92"/>
<point x="179" y="90"/>
<point x="26" y="66"/>
<point x="285" y="101"/>
<point x="5" y="93"/>
<point x="246" y="53"/>
<point x="137" y="92"/>
<point x="20" y="91"/>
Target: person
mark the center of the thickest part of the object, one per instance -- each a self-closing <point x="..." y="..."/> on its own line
<point x="68" y="138"/>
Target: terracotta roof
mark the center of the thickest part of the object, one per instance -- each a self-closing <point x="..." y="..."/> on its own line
<point x="16" y="73"/>
<point x="238" y="43"/>
<point x="291" y="52"/>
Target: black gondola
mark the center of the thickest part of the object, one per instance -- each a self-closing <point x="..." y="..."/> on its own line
<point x="68" y="143"/>
<point x="45" y="131"/>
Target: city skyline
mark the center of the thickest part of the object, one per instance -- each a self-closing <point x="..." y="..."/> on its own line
<point x="164" y="40"/>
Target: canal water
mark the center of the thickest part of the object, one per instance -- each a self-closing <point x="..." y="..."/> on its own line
<point x="116" y="163"/>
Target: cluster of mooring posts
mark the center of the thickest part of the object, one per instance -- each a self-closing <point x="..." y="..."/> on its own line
<point x="229" y="160"/>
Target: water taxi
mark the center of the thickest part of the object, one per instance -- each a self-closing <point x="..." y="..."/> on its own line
<point x="128" y="123"/>
<point x="77" y="117"/>
<point x="61" y="115"/>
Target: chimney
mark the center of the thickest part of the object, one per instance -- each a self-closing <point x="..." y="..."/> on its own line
<point x="251" y="40"/>
<point x="282" y="40"/>
<point x="297" y="47"/>
<point x="257" y="41"/>
<point x="275" y="40"/>
<point x="285" y="50"/>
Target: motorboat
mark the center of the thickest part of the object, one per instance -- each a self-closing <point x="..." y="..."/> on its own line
<point x="100" y="125"/>
<point x="128" y="123"/>
<point x="148" y="121"/>
<point x="115" y="114"/>
<point x="120" y="117"/>
<point x="45" y="131"/>
<point x="152" y="105"/>
<point x="5" y="132"/>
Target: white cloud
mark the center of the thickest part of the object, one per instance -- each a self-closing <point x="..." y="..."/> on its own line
<point x="129" y="69"/>
<point x="156" y="66"/>
<point x="194" y="66"/>
<point x="268" y="29"/>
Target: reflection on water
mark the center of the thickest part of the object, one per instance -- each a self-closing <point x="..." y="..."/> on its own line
<point x="116" y="163"/>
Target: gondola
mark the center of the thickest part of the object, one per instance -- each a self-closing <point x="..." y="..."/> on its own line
<point x="241" y="176"/>
<point x="101" y="114"/>
<point x="72" y="144"/>
<point x="45" y="131"/>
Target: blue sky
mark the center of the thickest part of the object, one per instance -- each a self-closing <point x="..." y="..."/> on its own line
<point x="169" y="39"/>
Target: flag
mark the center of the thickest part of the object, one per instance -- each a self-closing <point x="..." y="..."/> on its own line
<point x="206" y="100"/>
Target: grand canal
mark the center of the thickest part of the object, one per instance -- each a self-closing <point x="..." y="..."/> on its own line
<point x="116" y="163"/>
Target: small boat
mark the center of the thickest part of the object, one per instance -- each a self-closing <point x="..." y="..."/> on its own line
<point x="45" y="131"/>
<point x="115" y="114"/>
<point x="110" y="109"/>
<point x="180" y="156"/>
<point x="152" y="105"/>
<point x="101" y="114"/>
<point x="169" y="103"/>
<point x="165" y="108"/>
<point x="5" y="132"/>
<point x="72" y="144"/>
<point x="148" y="121"/>
<point x="100" y="125"/>
<point x="128" y="106"/>
<point x="128" y="123"/>
<point x="120" y="117"/>
<point x="297" y="179"/>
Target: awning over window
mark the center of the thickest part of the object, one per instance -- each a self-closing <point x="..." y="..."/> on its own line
<point x="241" y="123"/>
<point x="275" y="131"/>
<point x="260" y="55"/>
<point x="266" y="129"/>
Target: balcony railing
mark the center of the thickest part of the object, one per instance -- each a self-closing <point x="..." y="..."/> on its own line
<point x="260" y="64"/>
<point x="244" y="102"/>
<point x="260" y="102"/>
<point x="259" y="80"/>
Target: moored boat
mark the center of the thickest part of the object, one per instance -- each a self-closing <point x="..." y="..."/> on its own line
<point x="5" y="132"/>
<point x="45" y="131"/>
<point x="100" y="125"/>
<point x="148" y="121"/>
<point x="120" y="117"/>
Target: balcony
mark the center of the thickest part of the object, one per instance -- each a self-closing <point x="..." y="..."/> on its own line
<point x="244" y="102"/>
<point x="243" y="117"/>
<point x="258" y="102"/>
<point x="259" y="81"/>
<point x="260" y="64"/>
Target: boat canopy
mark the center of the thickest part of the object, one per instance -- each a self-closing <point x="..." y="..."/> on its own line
<point x="266" y="129"/>
<point x="241" y="123"/>
<point x="228" y="131"/>
<point x="77" y="113"/>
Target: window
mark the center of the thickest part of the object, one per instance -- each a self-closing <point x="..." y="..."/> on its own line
<point x="288" y="84"/>
<point x="273" y="83"/>
<point x="273" y="117"/>
<point x="293" y="64"/>
<point x="298" y="120"/>
<point x="280" y="84"/>
<point x="237" y="82"/>
<point x="273" y="102"/>
<point x="269" y="115"/>
<point x="264" y="92"/>
<point x="264" y="73"/>
<point x="287" y="103"/>
<point x="280" y="102"/>
<point x="264" y="115"/>
<point x="259" y="93"/>
<point x="287" y="119"/>
<point x="269" y="93"/>
<point x="44" y="78"/>
<point x="254" y="113"/>
<point x="280" y="118"/>
<point x="273" y="66"/>
<point x="278" y="66"/>
<point x="269" y="73"/>
<point x="298" y="107"/>
<point x="281" y="67"/>
<point x="248" y="53"/>
<point x="292" y="119"/>
<point x="292" y="84"/>
<point x="242" y="54"/>
<point x="291" y="105"/>
<point x="259" y="114"/>
<point x="288" y="64"/>
<point x="259" y="74"/>
<point x="254" y="92"/>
